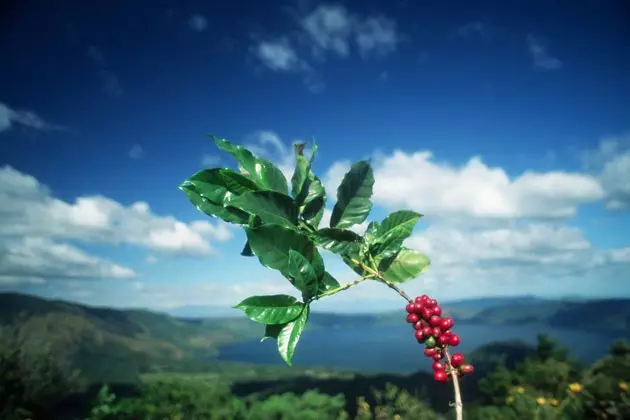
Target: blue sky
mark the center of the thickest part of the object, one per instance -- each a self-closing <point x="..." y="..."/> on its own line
<point x="505" y="124"/>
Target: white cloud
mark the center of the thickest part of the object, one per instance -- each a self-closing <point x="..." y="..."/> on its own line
<point x="278" y="55"/>
<point x="376" y="36"/>
<point x="542" y="59"/>
<point x="198" y="23"/>
<point x="30" y="211"/>
<point x="169" y="296"/>
<point x="9" y="117"/>
<point x="473" y="190"/>
<point x="327" y="29"/>
<point x="136" y="152"/>
<point x="611" y="161"/>
<point x="36" y="257"/>
<point x="534" y="253"/>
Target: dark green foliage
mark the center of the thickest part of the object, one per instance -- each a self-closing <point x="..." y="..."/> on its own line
<point x="283" y="232"/>
<point x="32" y="378"/>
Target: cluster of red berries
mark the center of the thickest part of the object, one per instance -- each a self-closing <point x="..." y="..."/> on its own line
<point x="435" y="332"/>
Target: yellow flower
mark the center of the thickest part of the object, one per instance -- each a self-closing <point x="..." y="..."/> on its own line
<point x="540" y="401"/>
<point x="623" y="386"/>
<point x="509" y="400"/>
<point x="575" y="387"/>
<point x="519" y="389"/>
<point x="554" y="402"/>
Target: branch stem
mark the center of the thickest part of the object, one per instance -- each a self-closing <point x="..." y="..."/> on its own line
<point x="339" y="289"/>
<point x="459" y="406"/>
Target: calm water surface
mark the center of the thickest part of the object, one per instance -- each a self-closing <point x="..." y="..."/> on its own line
<point x="394" y="349"/>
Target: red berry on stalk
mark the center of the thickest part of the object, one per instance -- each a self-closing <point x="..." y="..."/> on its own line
<point x="447" y="323"/>
<point x="457" y="359"/>
<point x="418" y="325"/>
<point x="427" y="331"/>
<point x="437" y="310"/>
<point x="431" y="303"/>
<point x="417" y="308"/>
<point x="453" y="340"/>
<point x="435" y="320"/>
<point x="438" y="365"/>
<point x="413" y="318"/>
<point x="466" y="369"/>
<point x="430" y="351"/>
<point x="437" y="356"/>
<point x="426" y="313"/>
<point x="423" y="298"/>
<point x="444" y="339"/>
<point x="440" y="376"/>
<point x="410" y="308"/>
<point x="419" y="335"/>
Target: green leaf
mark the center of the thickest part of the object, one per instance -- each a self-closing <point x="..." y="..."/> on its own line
<point x="269" y="206"/>
<point x="404" y="266"/>
<point x="271" y="244"/>
<point x="353" y="196"/>
<point x="336" y="240"/>
<point x="228" y="214"/>
<point x="327" y="282"/>
<point x="264" y="173"/>
<point x="219" y="184"/>
<point x="272" y="331"/>
<point x="370" y="232"/>
<point x="300" y="175"/>
<point x="314" y="211"/>
<point x="272" y="309"/>
<point x="393" y="231"/>
<point x="354" y="254"/>
<point x="290" y="336"/>
<point x="318" y="264"/>
<point x="303" y="275"/>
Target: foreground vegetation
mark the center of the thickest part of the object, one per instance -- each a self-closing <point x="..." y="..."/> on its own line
<point x="514" y="381"/>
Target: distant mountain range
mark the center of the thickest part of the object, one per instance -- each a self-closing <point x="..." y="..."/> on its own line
<point x="213" y="311"/>
<point x="117" y="345"/>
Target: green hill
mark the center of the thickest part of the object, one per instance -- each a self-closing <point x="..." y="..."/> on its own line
<point x="108" y="344"/>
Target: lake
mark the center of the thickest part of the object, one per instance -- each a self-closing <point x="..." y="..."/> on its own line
<point x="394" y="349"/>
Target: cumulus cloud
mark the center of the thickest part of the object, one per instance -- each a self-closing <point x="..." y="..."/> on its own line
<point x="611" y="162"/>
<point x="331" y="28"/>
<point x="531" y="253"/>
<point x="541" y="58"/>
<point x="10" y="117"/>
<point x="33" y="222"/>
<point x="327" y="30"/>
<point x="279" y="55"/>
<point x="36" y="257"/>
<point x="474" y="190"/>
